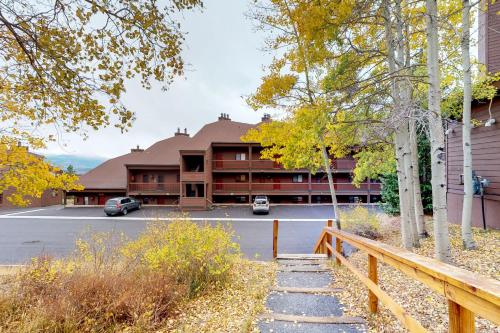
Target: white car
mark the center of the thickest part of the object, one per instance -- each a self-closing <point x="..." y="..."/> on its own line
<point x="260" y="205"/>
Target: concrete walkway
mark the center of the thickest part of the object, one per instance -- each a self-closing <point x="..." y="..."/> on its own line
<point x="304" y="300"/>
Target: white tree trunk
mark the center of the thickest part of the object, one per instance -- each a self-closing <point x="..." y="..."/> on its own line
<point x="419" y="207"/>
<point x="399" y="137"/>
<point x="436" y="134"/>
<point x="468" y="242"/>
<point x="404" y="88"/>
<point x="404" y="202"/>
<point x="410" y="188"/>
<point x="328" y="170"/>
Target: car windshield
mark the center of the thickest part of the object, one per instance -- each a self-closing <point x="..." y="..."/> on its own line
<point x="111" y="203"/>
<point x="260" y="201"/>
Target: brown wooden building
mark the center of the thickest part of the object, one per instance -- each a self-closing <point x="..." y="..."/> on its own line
<point x="485" y="139"/>
<point x="214" y="167"/>
<point x="49" y="197"/>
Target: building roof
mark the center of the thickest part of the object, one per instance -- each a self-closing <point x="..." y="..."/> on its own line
<point x="112" y="174"/>
<point x="221" y="131"/>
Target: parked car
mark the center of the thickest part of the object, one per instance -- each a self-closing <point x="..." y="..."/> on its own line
<point x="121" y="205"/>
<point x="260" y="205"/>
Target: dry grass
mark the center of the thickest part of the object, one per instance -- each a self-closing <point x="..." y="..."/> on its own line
<point x="232" y="309"/>
<point x="425" y="305"/>
<point x="112" y="284"/>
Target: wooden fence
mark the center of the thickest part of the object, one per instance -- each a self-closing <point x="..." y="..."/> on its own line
<point x="468" y="294"/>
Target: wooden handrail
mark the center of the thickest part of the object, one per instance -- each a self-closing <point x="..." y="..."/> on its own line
<point x="468" y="293"/>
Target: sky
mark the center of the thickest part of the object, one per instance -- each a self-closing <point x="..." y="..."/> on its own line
<point x="225" y="60"/>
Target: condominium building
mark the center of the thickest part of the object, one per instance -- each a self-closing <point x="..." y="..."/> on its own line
<point x="215" y="167"/>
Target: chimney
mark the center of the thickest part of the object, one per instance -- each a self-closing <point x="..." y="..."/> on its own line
<point x="224" y="116"/>
<point x="20" y="145"/>
<point x="185" y="133"/>
<point x="136" y="150"/>
<point x="266" y="117"/>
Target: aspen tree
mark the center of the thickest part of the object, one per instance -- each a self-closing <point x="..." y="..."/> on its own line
<point x="436" y="134"/>
<point x="468" y="242"/>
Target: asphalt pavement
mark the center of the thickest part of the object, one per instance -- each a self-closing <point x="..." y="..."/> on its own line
<point x="28" y="233"/>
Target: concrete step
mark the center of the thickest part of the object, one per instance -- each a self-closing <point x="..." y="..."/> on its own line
<point x="307" y="290"/>
<point x="304" y="304"/>
<point x="277" y="326"/>
<point x="302" y="268"/>
<point x="299" y="256"/>
<point x="312" y="319"/>
<point x="291" y="262"/>
<point x="303" y="279"/>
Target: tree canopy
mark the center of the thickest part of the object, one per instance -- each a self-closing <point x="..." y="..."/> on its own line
<point x="65" y="64"/>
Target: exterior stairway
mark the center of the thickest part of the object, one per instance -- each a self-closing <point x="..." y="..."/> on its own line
<point x="304" y="301"/>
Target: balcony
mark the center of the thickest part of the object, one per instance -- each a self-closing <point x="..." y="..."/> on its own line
<point x="154" y="188"/>
<point x="265" y="164"/>
<point x="219" y="188"/>
<point x="231" y="164"/>
<point x="280" y="187"/>
<point x="344" y="187"/>
<point x="343" y="164"/>
<point x="192" y="176"/>
<point x="231" y="187"/>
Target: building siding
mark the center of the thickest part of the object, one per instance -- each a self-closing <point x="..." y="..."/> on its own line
<point x="485" y="162"/>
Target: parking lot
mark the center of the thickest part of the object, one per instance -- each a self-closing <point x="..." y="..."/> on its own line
<point x="27" y="233"/>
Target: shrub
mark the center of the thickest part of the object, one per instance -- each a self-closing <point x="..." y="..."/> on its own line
<point x="361" y="222"/>
<point x="197" y="255"/>
<point x="112" y="284"/>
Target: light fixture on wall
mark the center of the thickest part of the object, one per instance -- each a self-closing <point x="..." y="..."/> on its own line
<point x="451" y="127"/>
<point x="489" y="122"/>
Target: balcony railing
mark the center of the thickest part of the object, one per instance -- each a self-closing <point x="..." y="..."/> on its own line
<point x="344" y="164"/>
<point x="192" y="176"/>
<point x="281" y="187"/>
<point x="265" y="164"/>
<point x="172" y="188"/>
<point x="324" y="187"/>
<point x="338" y="164"/>
<point x="230" y="164"/>
<point x="292" y="187"/>
<point x="231" y="187"/>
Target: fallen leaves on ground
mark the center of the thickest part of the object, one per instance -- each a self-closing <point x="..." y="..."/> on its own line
<point x="422" y="303"/>
<point x="232" y="309"/>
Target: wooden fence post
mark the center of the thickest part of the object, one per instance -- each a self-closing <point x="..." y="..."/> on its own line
<point x="461" y="320"/>
<point x="372" y="275"/>
<point x="275" y="238"/>
<point x="338" y="248"/>
<point x="329" y="224"/>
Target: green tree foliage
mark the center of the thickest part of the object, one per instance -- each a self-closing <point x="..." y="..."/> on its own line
<point x="390" y="192"/>
<point x="70" y="170"/>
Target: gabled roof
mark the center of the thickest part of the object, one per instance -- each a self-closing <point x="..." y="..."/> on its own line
<point x="164" y="152"/>
<point x="222" y="131"/>
<point x="112" y="174"/>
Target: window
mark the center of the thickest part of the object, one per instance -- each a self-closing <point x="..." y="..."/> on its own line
<point x="241" y="199"/>
<point x="160" y="179"/>
<point x="297" y="179"/>
<point x="241" y="178"/>
<point x="241" y="156"/>
<point x="145" y="178"/>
